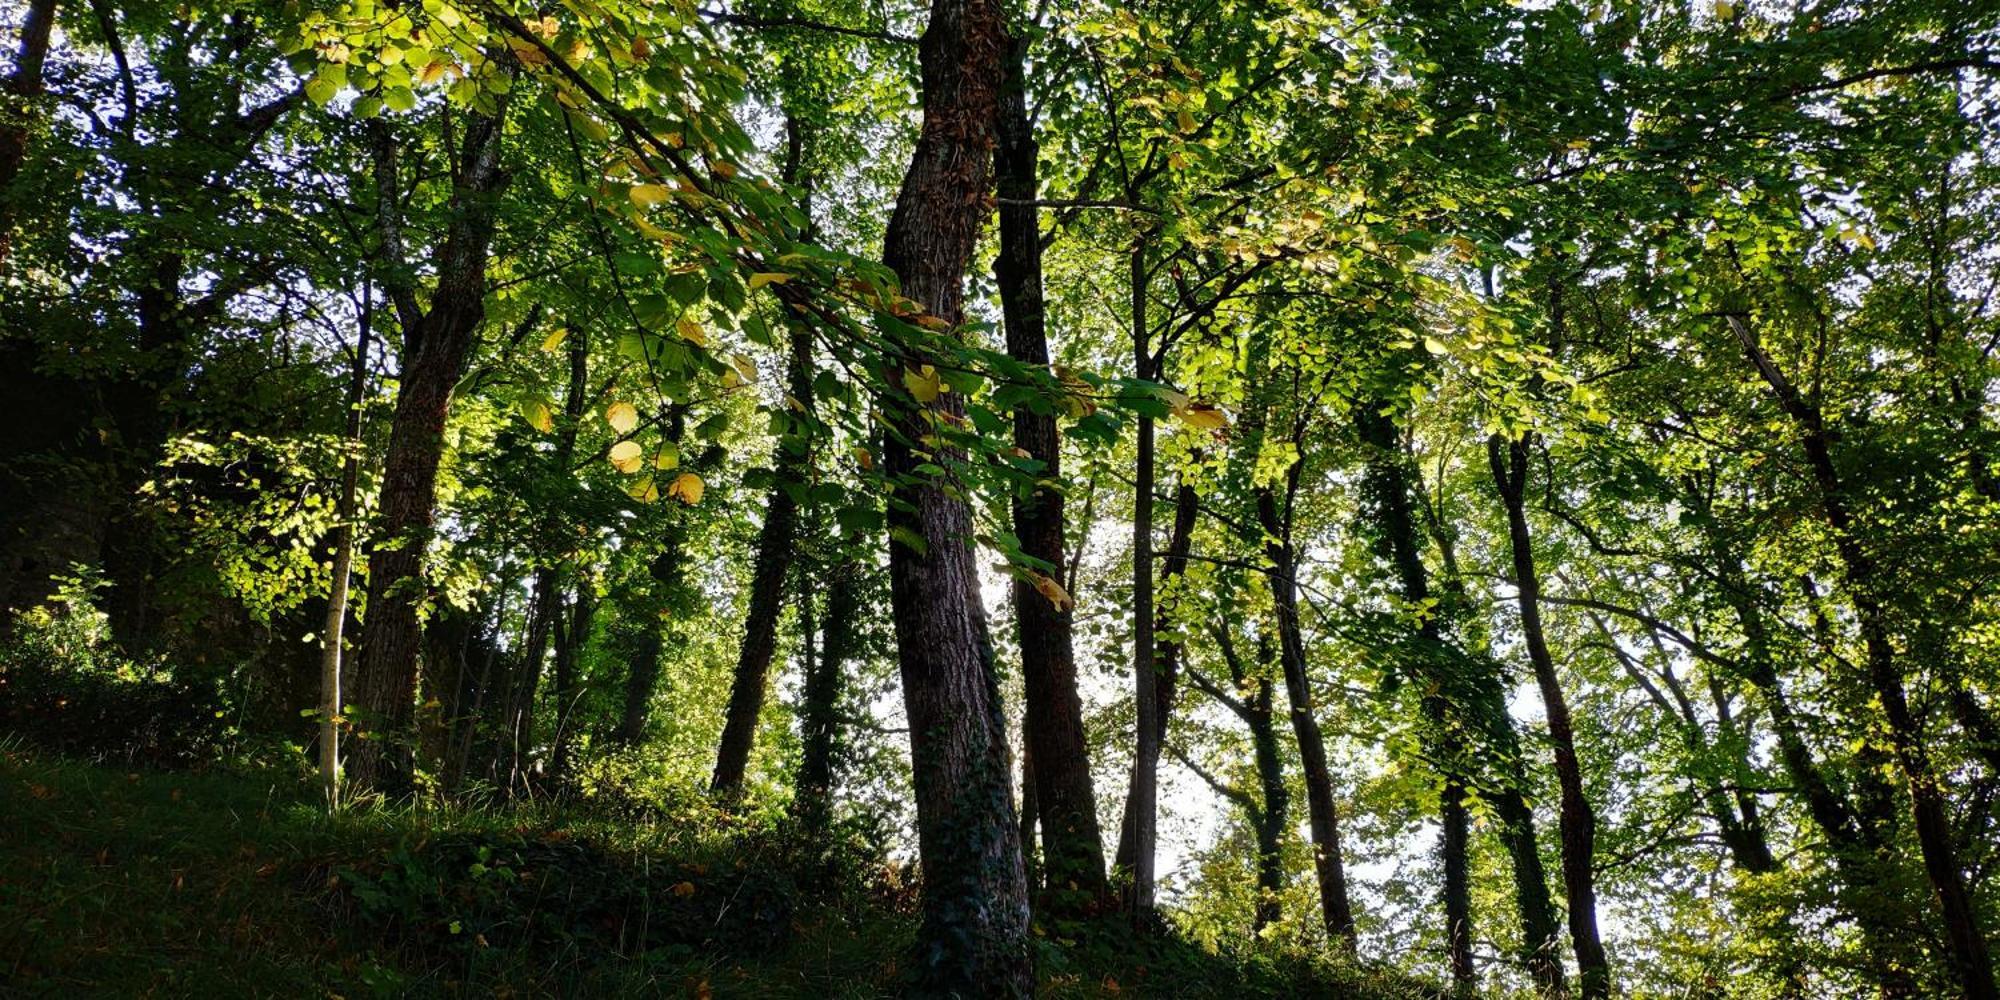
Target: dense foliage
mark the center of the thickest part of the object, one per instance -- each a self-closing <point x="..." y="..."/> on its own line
<point x="1499" y="495"/>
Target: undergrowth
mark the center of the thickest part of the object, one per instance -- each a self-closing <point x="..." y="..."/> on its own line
<point x="235" y="883"/>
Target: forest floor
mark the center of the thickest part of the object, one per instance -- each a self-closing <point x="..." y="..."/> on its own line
<point x="234" y="883"/>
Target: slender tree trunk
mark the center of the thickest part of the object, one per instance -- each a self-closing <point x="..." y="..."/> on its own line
<point x="571" y="641"/>
<point x="1166" y="655"/>
<point x="343" y="559"/>
<point x="1321" y="809"/>
<point x="819" y="712"/>
<point x="1577" y="822"/>
<point x="1259" y="716"/>
<point x="776" y="546"/>
<point x="974" y="938"/>
<point x="23" y="87"/>
<point x="1143" y="801"/>
<point x="1053" y="749"/>
<point x="435" y="347"/>
<point x="1467" y="705"/>
<point x="776" y="541"/>
<point x="1971" y="963"/>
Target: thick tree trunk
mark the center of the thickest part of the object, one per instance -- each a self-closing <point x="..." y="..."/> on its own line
<point x="1063" y="800"/>
<point x="435" y="347"/>
<point x="343" y="559"/>
<point x="1971" y="963"/>
<point x="974" y="938"/>
<point x="1577" y="822"/>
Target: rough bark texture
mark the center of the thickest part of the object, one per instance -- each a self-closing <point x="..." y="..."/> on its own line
<point x="974" y="937"/>
<point x="1065" y="803"/>
<point x="435" y="346"/>
<point x="1577" y="823"/>
<point x="1970" y="960"/>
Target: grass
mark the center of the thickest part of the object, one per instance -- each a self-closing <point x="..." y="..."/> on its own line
<point x="225" y="883"/>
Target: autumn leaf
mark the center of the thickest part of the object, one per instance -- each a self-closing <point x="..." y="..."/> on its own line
<point x="1203" y="416"/>
<point x="923" y="383"/>
<point x="539" y="414"/>
<point x="762" y="278"/>
<point x="648" y="195"/>
<point x="1048" y="587"/>
<point x="627" y="456"/>
<point x="622" y="417"/>
<point x="692" y="332"/>
<point x="687" y="488"/>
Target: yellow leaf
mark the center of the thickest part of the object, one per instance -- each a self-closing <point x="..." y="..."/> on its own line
<point x="762" y="278"/>
<point x="1203" y="416"/>
<point x="744" y="365"/>
<point x="723" y="168"/>
<point x="691" y="331"/>
<point x="687" y="488"/>
<point x="1049" y="588"/>
<point x="644" y="490"/>
<point x="865" y="458"/>
<point x="540" y="417"/>
<point x="648" y="195"/>
<point x="1724" y="10"/>
<point x="622" y="417"/>
<point x="554" y="340"/>
<point x="1435" y="346"/>
<point x="1186" y="121"/>
<point x="923" y="383"/>
<point x="627" y="456"/>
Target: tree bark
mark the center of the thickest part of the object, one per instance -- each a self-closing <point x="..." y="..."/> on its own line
<point x="776" y="542"/>
<point x="1335" y="908"/>
<point x="1054" y="751"/>
<point x="343" y="559"/>
<point x="776" y="546"/>
<point x="974" y="936"/>
<point x="1143" y="800"/>
<point x="436" y="343"/>
<point x="1166" y="655"/>
<point x="1971" y="963"/>
<point x="825" y="682"/>
<point x="1576" y="822"/>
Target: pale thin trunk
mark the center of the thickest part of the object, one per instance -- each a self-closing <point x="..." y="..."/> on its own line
<point x="343" y="559"/>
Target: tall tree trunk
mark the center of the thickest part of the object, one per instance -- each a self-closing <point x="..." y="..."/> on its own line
<point x="343" y="559"/>
<point x="776" y="541"/>
<point x="1321" y="809"/>
<point x="24" y="86"/>
<point x="819" y="709"/>
<point x="436" y="343"/>
<point x="1259" y="716"/>
<point x="1053" y="748"/>
<point x="1143" y="800"/>
<point x="974" y="938"/>
<point x="776" y="546"/>
<point x="1577" y="822"/>
<point x="572" y="638"/>
<point x="1475" y="706"/>
<point x="1166" y="655"/>
<point x="1971" y="963"/>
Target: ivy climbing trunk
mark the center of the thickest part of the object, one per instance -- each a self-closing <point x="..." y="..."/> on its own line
<point x="974" y="936"/>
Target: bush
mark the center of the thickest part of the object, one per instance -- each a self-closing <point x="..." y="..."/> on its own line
<point x="64" y="687"/>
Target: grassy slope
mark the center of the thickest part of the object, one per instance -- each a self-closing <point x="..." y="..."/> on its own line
<point x="216" y="885"/>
